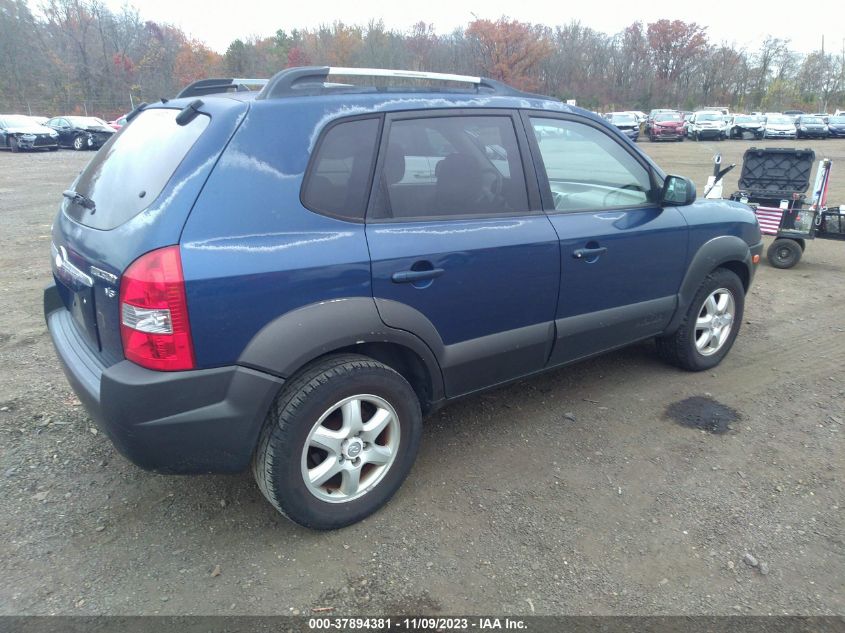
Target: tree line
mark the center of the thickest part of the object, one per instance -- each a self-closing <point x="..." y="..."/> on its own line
<point x="77" y="56"/>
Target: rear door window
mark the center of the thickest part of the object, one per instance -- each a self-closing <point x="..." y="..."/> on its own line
<point x="450" y="167"/>
<point x="133" y="167"/>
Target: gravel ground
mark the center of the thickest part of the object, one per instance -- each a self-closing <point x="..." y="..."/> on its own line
<point x="575" y="492"/>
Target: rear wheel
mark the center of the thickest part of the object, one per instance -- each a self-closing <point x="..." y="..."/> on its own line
<point x="338" y="442"/>
<point x="710" y="325"/>
<point x="784" y="253"/>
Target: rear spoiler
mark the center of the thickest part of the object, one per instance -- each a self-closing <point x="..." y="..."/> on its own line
<point x="218" y="84"/>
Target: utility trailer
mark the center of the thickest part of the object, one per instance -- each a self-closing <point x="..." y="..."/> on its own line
<point x="774" y="182"/>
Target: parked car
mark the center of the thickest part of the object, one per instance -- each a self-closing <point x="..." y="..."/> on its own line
<point x="665" y="126"/>
<point x="746" y="124"/>
<point x="793" y="113"/>
<point x="779" y="126"/>
<point x="836" y="126"/>
<point x="18" y="132"/>
<point x="626" y="123"/>
<point x="81" y="132"/>
<point x="290" y="280"/>
<point x="706" y="124"/>
<point x="808" y="126"/>
<point x="824" y="116"/>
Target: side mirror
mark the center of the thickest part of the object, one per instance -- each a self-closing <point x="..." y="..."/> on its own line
<point x="677" y="191"/>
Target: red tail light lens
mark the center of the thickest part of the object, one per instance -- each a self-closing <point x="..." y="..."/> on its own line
<point x="154" y="312"/>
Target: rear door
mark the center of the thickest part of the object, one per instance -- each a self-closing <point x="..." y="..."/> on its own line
<point x="622" y="256"/>
<point x="461" y="252"/>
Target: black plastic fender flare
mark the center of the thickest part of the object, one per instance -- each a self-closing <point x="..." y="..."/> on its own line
<point x="294" y="339"/>
<point x="711" y="255"/>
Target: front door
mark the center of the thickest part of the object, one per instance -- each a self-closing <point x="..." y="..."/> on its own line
<point x="461" y="252"/>
<point x="622" y="255"/>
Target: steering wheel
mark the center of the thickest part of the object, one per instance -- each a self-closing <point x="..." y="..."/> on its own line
<point x="617" y="191"/>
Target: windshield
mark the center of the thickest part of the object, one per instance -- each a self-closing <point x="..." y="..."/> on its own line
<point x="745" y="119"/>
<point x="17" y="120"/>
<point x="623" y="119"/>
<point x="837" y="119"/>
<point x="133" y="167"/>
<point x="709" y="116"/>
<point x="811" y="119"/>
<point x="85" y="121"/>
<point x="779" y="120"/>
<point x="668" y="116"/>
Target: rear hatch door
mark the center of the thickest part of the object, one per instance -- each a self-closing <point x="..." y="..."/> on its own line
<point x="142" y="185"/>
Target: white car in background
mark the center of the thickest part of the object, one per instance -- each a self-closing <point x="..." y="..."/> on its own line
<point x="779" y="126"/>
<point x="707" y="124"/>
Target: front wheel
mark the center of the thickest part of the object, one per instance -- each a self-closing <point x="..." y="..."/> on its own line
<point x="710" y="325"/>
<point x="79" y="143"/>
<point x="784" y="253"/>
<point x="13" y="144"/>
<point x="338" y="442"/>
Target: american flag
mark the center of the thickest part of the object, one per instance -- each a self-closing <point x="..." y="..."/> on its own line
<point x="769" y="219"/>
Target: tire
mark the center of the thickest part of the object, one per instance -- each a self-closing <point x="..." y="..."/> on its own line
<point x="314" y="402"/>
<point x="687" y="347"/>
<point x="784" y="253"/>
<point x="79" y="143"/>
<point x="13" y="144"/>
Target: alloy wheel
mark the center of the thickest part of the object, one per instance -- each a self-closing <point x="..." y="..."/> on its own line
<point x="715" y="322"/>
<point x="350" y="449"/>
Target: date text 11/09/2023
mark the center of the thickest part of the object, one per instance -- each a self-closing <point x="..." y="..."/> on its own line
<point x="416" y="624"/>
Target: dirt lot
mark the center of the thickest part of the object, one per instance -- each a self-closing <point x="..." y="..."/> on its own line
<point x="571" y="493"/>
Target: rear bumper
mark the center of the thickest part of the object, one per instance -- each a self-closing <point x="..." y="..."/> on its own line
<point x="199" y="421"/>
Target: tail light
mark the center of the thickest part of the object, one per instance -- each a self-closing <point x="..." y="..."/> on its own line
<point x="154" y="312"/>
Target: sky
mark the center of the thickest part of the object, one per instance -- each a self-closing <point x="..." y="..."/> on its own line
<point x="744" y="23"/>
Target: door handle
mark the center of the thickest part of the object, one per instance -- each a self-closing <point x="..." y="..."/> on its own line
<point x="410" y="276"/>
<point x="588" y="253"/>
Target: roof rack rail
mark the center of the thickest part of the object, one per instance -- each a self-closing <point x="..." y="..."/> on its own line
<point x="219" y="84"/>
<point x="310" y="80"/>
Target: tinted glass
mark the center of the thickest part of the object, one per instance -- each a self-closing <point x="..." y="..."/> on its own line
<point x="338" y="180"/>
<point x="142" y="158"/>
<point x="451" y="167"/>
<point x="587" y="169"/>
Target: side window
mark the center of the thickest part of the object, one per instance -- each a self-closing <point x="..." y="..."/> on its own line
<point x="587" y="169"/>
<point x="338" y="179"/>
<point x="451" y="166"/>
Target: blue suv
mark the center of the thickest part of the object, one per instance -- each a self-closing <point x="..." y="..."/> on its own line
<point x="291" y="278"/>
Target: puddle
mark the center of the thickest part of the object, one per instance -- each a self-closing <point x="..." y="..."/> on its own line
<point x="703" y="412"/>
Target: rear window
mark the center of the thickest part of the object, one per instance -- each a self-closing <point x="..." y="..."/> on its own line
<point x="133" y="167"/>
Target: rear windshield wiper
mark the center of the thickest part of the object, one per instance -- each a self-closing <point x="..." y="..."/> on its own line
<point x="79" y="199"/>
